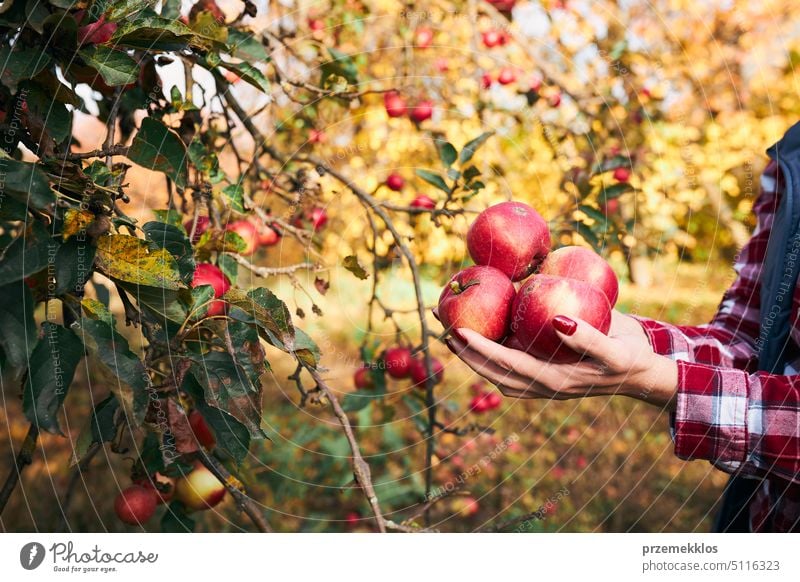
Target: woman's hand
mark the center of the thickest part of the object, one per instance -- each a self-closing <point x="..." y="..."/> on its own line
<point x="621" y="363"/>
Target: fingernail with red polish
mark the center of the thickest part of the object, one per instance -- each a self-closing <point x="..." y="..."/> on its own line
<point x="564" y="324"/>
<point x="448" y="343"/>
<point x="457" y="335"/>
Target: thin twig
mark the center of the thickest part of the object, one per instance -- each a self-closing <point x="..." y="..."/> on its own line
<point x="115" y="150"/>
<point x="273" y="271"/>
<point x="24" y="458"/>
<point x="69" y="493"/>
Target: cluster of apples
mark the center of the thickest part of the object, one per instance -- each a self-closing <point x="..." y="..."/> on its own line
<point x="401" y="364"/>
<point x="396" y="183"/>
<point x="197" y="490"/>
<point x="397" y="106"/>
<point x="510" y="243"/>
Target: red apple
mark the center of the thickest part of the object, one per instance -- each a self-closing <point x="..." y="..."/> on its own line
<point x="352" y="518"/>
<point x="442" y="65"/>
<point x="200" y="489"/>
<point x="268" y="235"/>
<point x="316" y="25"/>
<point x="201" y="430"/>
<point x="610" y="206"/>
<point x="419" y="374"/>
<point x="317" y="136"/>
<point x="423" y="37"/>
<point x="486" y="81"/>
<point x="585" y="265"/>
<point x="398" y="362"/>
<point x="510" y="236"/>
<point x="492" y="38"/>
<point x="466" y="506"/>
<point x="395" y="105"/>
<point x="203" y="222"/>
<point x="541" y="298"/>
<point x="555" y="99"/>
<point x="395" y="181"/>
<point x="135" y="505"/>
<point x="503" y="5"/>
<point x="423" y="201"/>
<point x="248" y="232"/>
<point x="622" y="174"/>
<point x="478" y="298"/>
<point x="363" y="379"/>
<point x="162" y="486"/>
<point x="318" y="218"/>
<point x="422" y="111"/>
<point x="208" y="274"/>
<point x="506" y="76"/>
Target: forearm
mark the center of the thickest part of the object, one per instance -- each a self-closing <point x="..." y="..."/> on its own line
<point x="656" y="383"/>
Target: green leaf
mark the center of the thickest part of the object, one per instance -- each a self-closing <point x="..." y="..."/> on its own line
<point x="52" y="367"/>
<point x="150" y="32"/>
<point x="235" y="195"/>
<point x="232" y="436"/>
<point x="19" y="63"/>
<point x="56" y="117"/>
<point x="615" y="190"/>
<point x="115" y="66"/>
<point x="243" y="44"/>
<point x="341" y="64"/>
<point x="351" y="264"/>
<point x="205" y="161"/>
<point x="472" y="146"/>
<point x="28" y="254"/>
<point x="176" y="519"/>
<point x="173" y="239"/>
<point x="447" y="153"/>
<point x="418" y="417"/>
<point x="202" y="296"/>
<point x="73" y="265"/>
<point x="593" y="213"/>
<point x="25" y="182"/>
<point x="228" y="387"/>
<point x="587" y="234"/>
<point x="170" y="216"/>
<point x="611" y="164"/>
<point x="101" y="427"/>
<point x="268" y="311"/>
<point x="18" y="337"/>
<point x="158" y="148"/>
<point x="111" y="351"/>
<point x="250" y="74"/>
<point x="471" y="172"/>
<point x="228" y="265"/>
<point x="130" y="259"/>
<point x="305" y="348"/>
<point x="433" y="179"/>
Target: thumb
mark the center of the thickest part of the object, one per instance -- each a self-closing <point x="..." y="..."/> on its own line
<point x="583" y="338"/>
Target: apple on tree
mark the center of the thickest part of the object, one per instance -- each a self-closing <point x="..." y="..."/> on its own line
<point x="421" y="111"/>
<point x="398" y="362"/>
<point x="247" y="231"/>
<point x="200" y="489"/>
<point x="423" y="37"/>
<point x="419" y="374"/>
<point x="162" y="486"/>
<point x="208" y="274"/>
<point x="135" y="505"/>
<point x="201" y="430"/>
<point x="423" y="201"/>
<point x="363" y="378"/>
<point x="395" y="105"/>
<point x="395" y="181"/>
<point x="202" y="224"/>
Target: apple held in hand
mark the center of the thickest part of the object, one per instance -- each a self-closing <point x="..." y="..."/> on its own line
<point x="510" y="236"/>
<point x="200" y="489"/>
<point x="585" y="265"/>
<point x="135" y="505"/>
<point x="543" y="297"/>
<point x="478" y="298"/>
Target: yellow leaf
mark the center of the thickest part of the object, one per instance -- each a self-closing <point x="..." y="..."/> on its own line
<point x="131" y="260"/>
<point x="75" y="221"/>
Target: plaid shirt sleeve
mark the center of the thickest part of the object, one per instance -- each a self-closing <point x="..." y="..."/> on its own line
<point x="727" y="413"/>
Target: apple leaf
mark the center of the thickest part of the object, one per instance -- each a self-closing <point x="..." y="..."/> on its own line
<point x="468" y="151"/>
<point x="433" y="179"/>
<point x="16" y="320"/>
<point x="130" y="259"/>
<point x="28" y="254"/>
<point x="615" y="190"/>
<point x="50" y="372"/>
<point x="25" y="182"/>
<point x="351" y="264"/>
<point x="173" y="239"/>
<point x="158" y="148"/>
<point x="116" y="67"/>
<point x="447" y="153"/>
<point x="611" y="164"/>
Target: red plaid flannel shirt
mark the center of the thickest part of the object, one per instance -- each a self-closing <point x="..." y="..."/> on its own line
<point x="728" y="413"/>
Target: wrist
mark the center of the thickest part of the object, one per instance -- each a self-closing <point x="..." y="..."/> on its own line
<point x="656" y="383"/>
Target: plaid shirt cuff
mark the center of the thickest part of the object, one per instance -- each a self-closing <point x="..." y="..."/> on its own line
<point x="710" y="420"/>
<point x="665" y="339"/>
